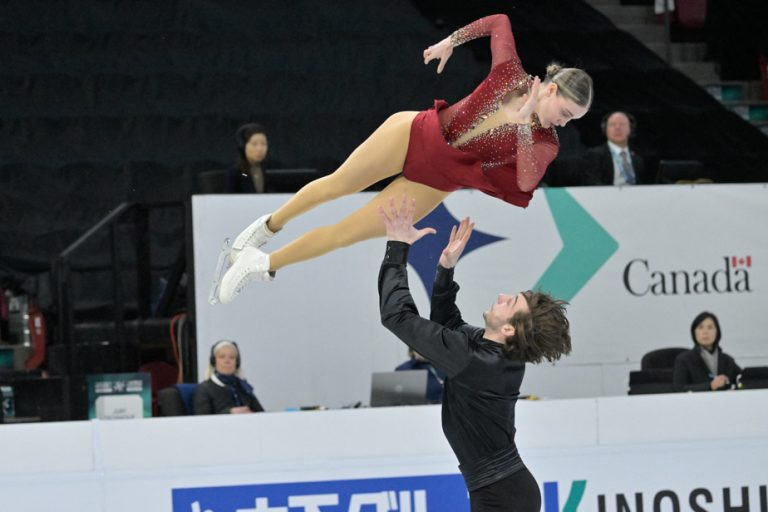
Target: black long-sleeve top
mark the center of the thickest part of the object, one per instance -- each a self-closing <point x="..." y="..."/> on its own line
<point x="212" y="398"/>
<point x="482" y="385"/>
<point x="691" y="372"/>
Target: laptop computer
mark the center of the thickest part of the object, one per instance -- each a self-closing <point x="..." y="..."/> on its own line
<point x="406" y="387"/>
<point x="672" y="171"/>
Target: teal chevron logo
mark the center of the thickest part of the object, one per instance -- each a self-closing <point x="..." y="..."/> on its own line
<point x="586" y="246"/>
<point x="552" y="498"/>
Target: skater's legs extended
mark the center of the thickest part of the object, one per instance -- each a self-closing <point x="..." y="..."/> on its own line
<point x="361" y="225"/>
<point x="380" y="156"/>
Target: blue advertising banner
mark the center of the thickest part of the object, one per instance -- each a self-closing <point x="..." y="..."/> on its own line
<point x="439" y="493"/>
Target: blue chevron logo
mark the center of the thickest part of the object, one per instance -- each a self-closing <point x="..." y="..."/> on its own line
<point x="425" y="254"/>
<point x="586" y="246"/>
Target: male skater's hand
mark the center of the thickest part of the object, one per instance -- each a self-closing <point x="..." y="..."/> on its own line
<point x="399" y="223"/>
<point x="456" y="243"/>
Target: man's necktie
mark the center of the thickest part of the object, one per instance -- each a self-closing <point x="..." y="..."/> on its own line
<point x="626" y="168"/>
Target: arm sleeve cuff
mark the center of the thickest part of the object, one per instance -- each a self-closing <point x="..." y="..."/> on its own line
<point x="397" y="253"/>
<point x="443" y="277"/>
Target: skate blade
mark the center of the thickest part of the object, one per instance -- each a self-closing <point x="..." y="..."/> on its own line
<point x="222" y="265"/>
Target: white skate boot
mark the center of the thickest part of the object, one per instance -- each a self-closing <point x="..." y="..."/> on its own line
<point x="250" y="265"/>
<point x="255" y="235"/>
<point x="222" y="265"/>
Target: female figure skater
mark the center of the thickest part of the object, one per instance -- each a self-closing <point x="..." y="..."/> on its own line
<point x="498" y="140"/>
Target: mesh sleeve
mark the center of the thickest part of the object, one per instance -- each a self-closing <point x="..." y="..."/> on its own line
<point x="498" y="28"/>
<point x="532" y="158"/>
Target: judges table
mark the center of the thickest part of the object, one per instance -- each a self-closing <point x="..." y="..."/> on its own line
<point x="653" y="452"/>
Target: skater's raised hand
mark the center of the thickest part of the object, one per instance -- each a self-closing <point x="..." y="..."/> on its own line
<point x="399" y="222"/>
<point x="521" y="114"/>
<point x="442" y="50"/>
<point x="531" y="101"/>
<point x="456" y="243"/>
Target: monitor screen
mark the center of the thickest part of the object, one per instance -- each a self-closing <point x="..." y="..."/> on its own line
<point x="672" y="171"/>
<point x="407" y="387"/>
<point x="6" y="358"/>
<point x="289" y="180"/>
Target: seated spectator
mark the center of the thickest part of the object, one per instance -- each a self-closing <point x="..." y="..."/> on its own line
<point x="252" y="147"/>
<point x="434" y="377"/>
<point x="225" y="392"/>
<point x="705" y="367"/>
<point x="614" y="163"/>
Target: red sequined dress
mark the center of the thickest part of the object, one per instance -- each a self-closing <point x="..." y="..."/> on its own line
<point x="469" y="144"/>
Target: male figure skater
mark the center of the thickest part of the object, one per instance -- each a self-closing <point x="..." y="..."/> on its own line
<point x="484" y="366"/>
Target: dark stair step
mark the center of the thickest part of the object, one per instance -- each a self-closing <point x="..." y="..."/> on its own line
<point x="240" y="18"/>
<point x="114" y="95"/>
<point x="136" y="332"/>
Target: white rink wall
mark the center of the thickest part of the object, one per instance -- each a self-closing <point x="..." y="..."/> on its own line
<point x="648" y="448"/>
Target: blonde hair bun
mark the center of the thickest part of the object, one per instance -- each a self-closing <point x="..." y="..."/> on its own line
<point x="552" y="69"/>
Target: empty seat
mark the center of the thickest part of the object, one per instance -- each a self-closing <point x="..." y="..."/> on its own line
<point x="691" y="13"/>
<point x="176" y="400"/>
<point x="656" y="372"/>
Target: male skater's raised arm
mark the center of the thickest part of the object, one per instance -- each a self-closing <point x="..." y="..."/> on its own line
<point x="485" y="366"/>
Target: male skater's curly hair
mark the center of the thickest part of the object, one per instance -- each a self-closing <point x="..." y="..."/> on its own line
<point x="542" y="332"/>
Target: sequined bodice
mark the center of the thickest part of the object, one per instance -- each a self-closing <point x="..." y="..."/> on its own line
<point x="478" y="125"/>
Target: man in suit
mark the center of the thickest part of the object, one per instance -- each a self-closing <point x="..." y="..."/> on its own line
<point x="614" y="163"/>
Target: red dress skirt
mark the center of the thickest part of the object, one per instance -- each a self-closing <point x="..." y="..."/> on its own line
<point x="431" y="161"/>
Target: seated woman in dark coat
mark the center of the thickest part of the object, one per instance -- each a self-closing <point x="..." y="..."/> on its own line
<point x="248" y="177"/>
<point x="705" y="367"/>
<point x="225" y="392"/>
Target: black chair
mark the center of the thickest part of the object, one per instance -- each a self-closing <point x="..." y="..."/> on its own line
<point x="656" y="372"/>
<point x="660" y="359"/>
<point x="213" y="182"/>
<point x="754" y="377"/>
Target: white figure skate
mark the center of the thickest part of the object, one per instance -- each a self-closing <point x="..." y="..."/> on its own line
<point x="250" y="265"/>
<point x="222" y="265"/>
<point x="255" y="235"/>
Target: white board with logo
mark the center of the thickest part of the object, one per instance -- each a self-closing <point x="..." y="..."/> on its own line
<point x="611" y="454"/>
<point x="636" y="263"/>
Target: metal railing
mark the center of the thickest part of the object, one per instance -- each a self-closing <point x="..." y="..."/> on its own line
<point x="63" y="270"/>
<point x="667" y="33"/>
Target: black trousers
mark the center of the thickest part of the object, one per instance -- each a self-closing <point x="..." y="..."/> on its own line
<point x="518" y="492"/>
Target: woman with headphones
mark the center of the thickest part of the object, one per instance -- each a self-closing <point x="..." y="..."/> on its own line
<point x="248" y="175"/>
<point x="225" y="392"/>
<point x="498" y="140"/>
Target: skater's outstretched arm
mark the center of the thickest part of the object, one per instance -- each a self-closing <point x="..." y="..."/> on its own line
<point x="496" y="26"/>
<point x="443" y="305"/>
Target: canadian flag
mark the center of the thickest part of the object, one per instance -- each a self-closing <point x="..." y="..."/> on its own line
<point x="741" y="261"/>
